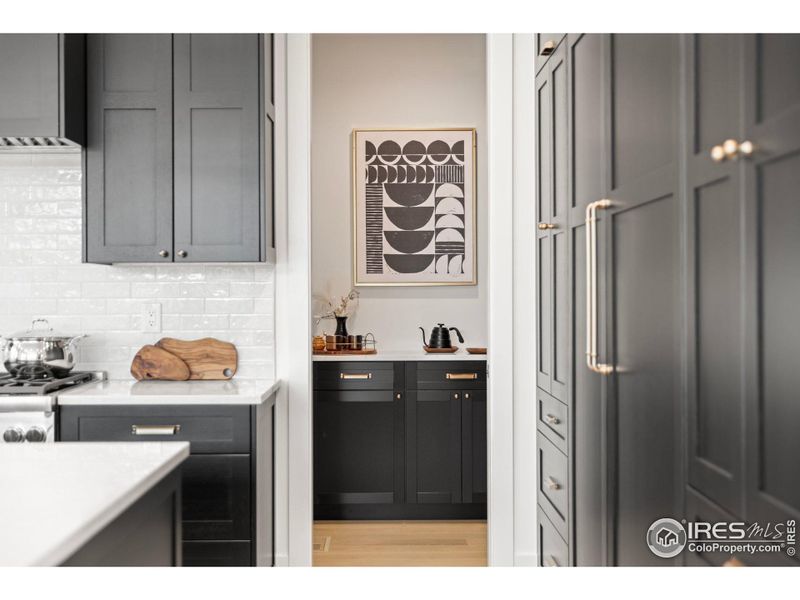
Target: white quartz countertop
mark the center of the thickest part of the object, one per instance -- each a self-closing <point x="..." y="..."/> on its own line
<point x="401" y="355"/>
<point x="124" y="391"/>
<point x="57" y="497"/>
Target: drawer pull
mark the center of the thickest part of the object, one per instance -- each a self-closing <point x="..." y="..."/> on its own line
<point x="553" y="484"/>
<point x="551" y="419"/>
<point x="355" y="375"/>
<point x="155" y="429"/>
<point x="547" y="48"/>
<point x="461" y="376"/>
<point x="549" y="561"/>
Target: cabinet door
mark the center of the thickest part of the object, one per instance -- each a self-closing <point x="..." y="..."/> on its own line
<point x="714" y="269"/>
<point x="29" y="95"/>
<point x="641" y="233"/>
<point x="552" y="199"/>
<point x="433" y="447"/>
<point x="218" y="154"/>
<point x="128" y="174"/>
<point x="473" y="446"/>
<point x="358" y="447"/>
<point x="772" y="284"/>
<point x="589" y="160"/>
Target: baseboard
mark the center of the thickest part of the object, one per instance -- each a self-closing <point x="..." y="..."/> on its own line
<point x="523" y="559"/>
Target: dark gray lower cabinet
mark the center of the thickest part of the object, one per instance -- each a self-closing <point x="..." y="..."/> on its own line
<point x="400" y="440"/>
<point x="223" y="505"/>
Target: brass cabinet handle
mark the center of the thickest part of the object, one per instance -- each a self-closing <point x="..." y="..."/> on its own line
<point x="547" y="48"/>
<point x="155" y="429"/>
<point x="544" y="226"/>
<point x="552" y="484"/>
<point x="591" y="288"/>
<point x="552" y="420"/>
<point x="355" y="375"/>
<point x="461" y="376"/>
<point x="549" y="561"/>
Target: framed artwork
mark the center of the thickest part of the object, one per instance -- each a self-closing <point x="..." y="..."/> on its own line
<point x="414" y="207"/>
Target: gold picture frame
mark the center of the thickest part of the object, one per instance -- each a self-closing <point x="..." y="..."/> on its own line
<point x="469" y="185"/>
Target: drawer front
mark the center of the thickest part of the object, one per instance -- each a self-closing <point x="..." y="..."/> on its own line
<point x="355" y="375"/>
<point x="546" y="44"/>
<point x="209" y="429"/>
<point x="553" y="550"/>
<point x="553" y="420"/>
<point x="216" y="497"/>
<point x="216" y="554"/>
<point x="553" y="490"/>
<point x="450" y="375"/>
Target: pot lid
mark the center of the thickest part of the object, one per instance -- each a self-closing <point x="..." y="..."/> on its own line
<point x="40" y="330"/>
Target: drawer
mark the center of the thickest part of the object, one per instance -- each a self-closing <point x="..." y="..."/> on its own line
<point x="216" y="554"/>
<point x="553" y="490"/>
<point x="449" y="375"/>
<point x="552" y="420"/>
<point x="216" y="497"/>
<point x="546" y="44"/>
<point x="357" y="375"/>
<point x="553" y="550"/>
<point x="209" y="429"/>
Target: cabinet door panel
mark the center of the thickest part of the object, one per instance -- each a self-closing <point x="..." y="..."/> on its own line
<point x="433" y="447"/>
<point x="128" y="179"/>
<point x="473" y="447"/>
<point x="772" y="242"/>
<point x="713" y="271"/>
<point x="217" y="147"/>
<point x="358" y="447"/>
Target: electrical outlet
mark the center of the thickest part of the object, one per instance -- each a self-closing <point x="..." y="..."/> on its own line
<point x="151" y="317"/>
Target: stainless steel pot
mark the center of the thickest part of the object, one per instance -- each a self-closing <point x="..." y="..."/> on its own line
<point x="39" y="350"/>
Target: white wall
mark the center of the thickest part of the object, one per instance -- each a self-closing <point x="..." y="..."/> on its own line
<point x="363" y="81"/>
<point x="41" y="275"/>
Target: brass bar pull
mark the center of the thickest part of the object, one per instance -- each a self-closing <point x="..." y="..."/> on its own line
<point x="547" y="48"/>
<point x="544" y="226"/>
<point x="549" y="561"/>
<point x="591" y="287"/>
<point x="155" y="429"/>
<point x="355" y="375"/>
<point x="552" y="484"/>
<point x="552" y="420"/>
<point x="461" y="376"/>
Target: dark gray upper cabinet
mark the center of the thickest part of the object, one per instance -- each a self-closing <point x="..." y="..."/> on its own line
<point x="42" y="96"/>
<point x="218" y="166"/>
<point x="180" y="153"/>
<point x="128" y="158"/>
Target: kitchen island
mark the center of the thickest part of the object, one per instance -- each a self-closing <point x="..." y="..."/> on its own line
<point x="91" y="504"/>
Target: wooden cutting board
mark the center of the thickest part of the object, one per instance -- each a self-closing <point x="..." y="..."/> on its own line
<point x="207" y="358"/>
<point x="152" y="362"/>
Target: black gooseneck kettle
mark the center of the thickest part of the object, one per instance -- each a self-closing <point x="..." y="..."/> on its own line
<point x="440" y="337"/>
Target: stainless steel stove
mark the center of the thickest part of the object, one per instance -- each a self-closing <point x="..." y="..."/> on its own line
<point x="28" y="403"/>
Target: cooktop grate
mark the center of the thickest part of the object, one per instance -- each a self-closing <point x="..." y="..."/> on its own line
<point x="40" y="383"/>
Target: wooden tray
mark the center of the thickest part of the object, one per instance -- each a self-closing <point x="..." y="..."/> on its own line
<point x="440" y="350"/>
<point x="344" y="352"/>
<point x="476" y="350"/>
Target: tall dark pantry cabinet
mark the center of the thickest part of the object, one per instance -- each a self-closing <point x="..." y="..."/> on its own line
<point x="668" y="256"/>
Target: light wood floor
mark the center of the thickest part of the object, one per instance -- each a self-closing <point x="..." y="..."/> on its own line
<point x="399" y="543"/>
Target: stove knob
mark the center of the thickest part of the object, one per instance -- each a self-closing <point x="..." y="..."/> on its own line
<point x="13" y="434"/>
<point x="36" y="434"/>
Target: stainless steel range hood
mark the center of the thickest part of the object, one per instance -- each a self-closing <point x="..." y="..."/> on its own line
<point x="42" y="92"/>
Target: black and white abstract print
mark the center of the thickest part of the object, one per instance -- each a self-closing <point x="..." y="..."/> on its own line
<point x="414" y="207"/>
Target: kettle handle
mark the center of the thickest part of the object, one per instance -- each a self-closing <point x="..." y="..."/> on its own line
<point x="424" y="343"/>
<point x="458" y="333"/>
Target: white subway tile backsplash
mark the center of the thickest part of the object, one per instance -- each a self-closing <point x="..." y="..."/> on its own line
<point x="41" y="275"/>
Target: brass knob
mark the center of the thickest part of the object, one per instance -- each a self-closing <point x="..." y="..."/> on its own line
<point x="544" y="226"/>
<point x="466" y="396"/>
<point x="547" y="48"/>
<point x="182" y="253"/>
<point x="163" y="253"/>
<point x="717" y="154"/>
<point x="746" y="148"/>
<point x="456" y="396"/>
<point x="731" y="148"/>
